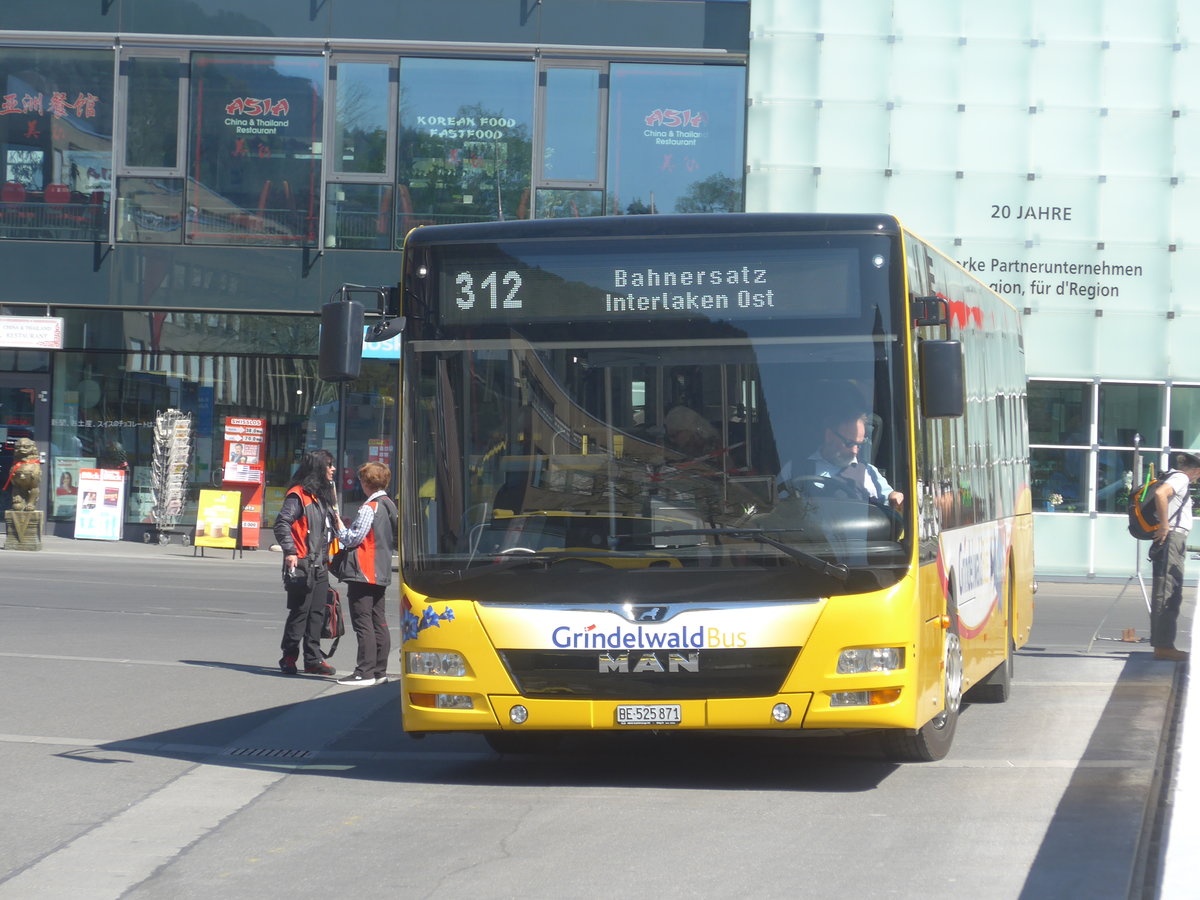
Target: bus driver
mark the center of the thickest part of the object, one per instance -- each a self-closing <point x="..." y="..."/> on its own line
<point x="845" y="433"/>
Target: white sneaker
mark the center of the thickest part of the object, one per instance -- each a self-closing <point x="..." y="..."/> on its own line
<point x="353" y="680"/>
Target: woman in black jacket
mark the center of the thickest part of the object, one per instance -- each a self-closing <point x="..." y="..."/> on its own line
<point x="303" y="529"/>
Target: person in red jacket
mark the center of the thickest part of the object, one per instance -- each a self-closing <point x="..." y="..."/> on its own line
<point x="368" y="544"/>
<point x="303" y="529"/>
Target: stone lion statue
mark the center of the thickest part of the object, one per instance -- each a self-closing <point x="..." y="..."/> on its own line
<point x="25" y="476"/>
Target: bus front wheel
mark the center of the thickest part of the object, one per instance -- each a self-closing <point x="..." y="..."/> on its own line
<point x="932" y="741"/>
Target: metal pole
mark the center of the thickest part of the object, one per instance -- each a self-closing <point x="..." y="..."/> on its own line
<point x="340" y="445"/>
<point x="1137" y="483"/>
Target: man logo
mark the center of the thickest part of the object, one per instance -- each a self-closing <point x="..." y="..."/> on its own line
<point x="647" y="661"/>
<point x="649" y="613"/>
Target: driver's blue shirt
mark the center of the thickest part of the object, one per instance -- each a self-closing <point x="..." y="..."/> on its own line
<point x="869" y="479"/>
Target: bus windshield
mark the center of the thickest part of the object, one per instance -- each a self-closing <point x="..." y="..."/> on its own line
<point x="763" y="456"/>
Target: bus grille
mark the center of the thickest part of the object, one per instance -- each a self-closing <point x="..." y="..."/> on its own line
<point x="649" y="674"/>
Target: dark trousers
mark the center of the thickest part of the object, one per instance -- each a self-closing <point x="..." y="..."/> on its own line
<point x="306" y="614"/>
<point x="367" y="618"/>
<point x="1166" y="591"/>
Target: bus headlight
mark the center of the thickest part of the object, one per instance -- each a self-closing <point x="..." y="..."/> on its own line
<point x="870" y="659"/>
<point x="427" y="662"/>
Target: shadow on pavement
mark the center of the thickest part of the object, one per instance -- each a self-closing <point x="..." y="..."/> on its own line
<point x="1094" y="841"/>
<point x="356" y="733"/>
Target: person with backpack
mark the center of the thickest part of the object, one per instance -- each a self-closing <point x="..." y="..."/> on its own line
<point x="1168" y="552"/>
<point x="365" y="564"/>
<point x="303" y="529"/>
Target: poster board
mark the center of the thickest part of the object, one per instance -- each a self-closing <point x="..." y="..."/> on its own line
<point x="218" y="517"/>
<point x="100" y="504"/>
<point x="66" y="483"/>
<point x="244" y="470"/>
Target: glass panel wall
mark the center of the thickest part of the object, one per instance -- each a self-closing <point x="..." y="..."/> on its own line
<point x="104" y="413"/>
<point x="56" y="117"/>
<point x="668" y="139"/>
<point x="1184" y="417"/>
<point x="465" y="147"/>
<point x="571" y="125"/>
<point x="222" y="147"/>
<point x="1127" y="410"/>
<point x="358" y="207"/>
<point x="150" y="176"/>
<point x="358" y="216"/>
<point x="152" y="113"/>
<point x="562" y="204"/>
<point x="1060" y="412"/>
<point x="1078" y="467"/>
<point x="361" y="118"/>
<point x="122" y="368"/>
<point x="150" y="210"/>
<point x="254" y="170"/>
<point x="1059" y="479"/>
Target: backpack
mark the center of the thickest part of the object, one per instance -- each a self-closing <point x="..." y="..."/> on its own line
<point x="1143" y="514"/>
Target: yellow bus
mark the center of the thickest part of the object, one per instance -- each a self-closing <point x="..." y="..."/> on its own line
<point x="751" y="472"/>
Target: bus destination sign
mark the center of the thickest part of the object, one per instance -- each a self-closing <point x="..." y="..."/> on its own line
<point x="544" y="282"/>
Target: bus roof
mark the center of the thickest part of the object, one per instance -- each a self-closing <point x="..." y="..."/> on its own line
<point x="653" y="226"/>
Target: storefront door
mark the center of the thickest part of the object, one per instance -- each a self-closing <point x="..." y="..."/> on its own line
<point x="24" y="413"/>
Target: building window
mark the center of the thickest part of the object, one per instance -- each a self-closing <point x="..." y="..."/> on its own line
<point x="572" y="120"/>
<point x="669" y="139"/>
<point x="1085" y="439"/>
<point x="359" y="196"/>
<point x="152" y="123"/>
<point x="243" y="149"/>
<point x="465" y="148"/>
<point x="254" y="170"/>
<point x="362" y="96"/>
<point x="56" y="143"/>
<point x="1128" y="410"/>
<point x="151" y="140"/>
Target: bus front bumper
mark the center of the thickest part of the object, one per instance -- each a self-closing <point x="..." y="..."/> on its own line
<point x="516" y="713"/>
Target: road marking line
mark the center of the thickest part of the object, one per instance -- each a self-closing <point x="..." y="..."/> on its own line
<point x="127" y="849"/>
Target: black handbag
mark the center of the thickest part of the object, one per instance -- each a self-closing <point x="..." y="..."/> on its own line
<point x="339" y="566"/>
<point x="334" y="623"/>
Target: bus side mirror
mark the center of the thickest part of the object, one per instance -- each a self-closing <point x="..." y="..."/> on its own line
<point x="340" y="355"/>
<point x="941" y="370"/>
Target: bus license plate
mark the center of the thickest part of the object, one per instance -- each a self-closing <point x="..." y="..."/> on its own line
<point x="645" y="714"/>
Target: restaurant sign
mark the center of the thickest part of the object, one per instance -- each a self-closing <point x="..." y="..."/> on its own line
<point x="31" y="332"/>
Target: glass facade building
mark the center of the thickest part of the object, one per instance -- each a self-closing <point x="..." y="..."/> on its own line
<point x="1051" y="149"/>
<point x="186" y="183"/>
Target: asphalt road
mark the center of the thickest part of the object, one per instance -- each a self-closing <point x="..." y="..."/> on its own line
<point x="150" y="748"/>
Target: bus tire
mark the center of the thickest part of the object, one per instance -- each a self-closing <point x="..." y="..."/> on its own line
<point x="996" y="686"/>
<point x="512" y="742"/>
<point x="932" y="740"/>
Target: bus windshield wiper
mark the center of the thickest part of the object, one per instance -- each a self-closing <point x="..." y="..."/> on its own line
<point x="502" y="564"/>
<point x="761" y="536"/>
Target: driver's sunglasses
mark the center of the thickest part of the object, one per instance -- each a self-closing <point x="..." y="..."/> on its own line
<point x="849" y="444"/>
